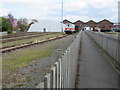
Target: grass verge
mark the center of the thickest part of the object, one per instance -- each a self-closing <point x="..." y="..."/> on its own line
<point x="30" y="40"/>
<point x="24" y="57"/>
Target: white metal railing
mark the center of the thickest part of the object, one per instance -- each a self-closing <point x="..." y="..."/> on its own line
<point x="63" y="73"/>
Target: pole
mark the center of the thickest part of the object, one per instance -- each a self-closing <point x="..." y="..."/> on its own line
<point x="62" y="16"/>
<point x="119" y="13"/>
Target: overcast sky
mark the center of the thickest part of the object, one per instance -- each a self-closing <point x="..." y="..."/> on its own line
<point x="51" y="9"/>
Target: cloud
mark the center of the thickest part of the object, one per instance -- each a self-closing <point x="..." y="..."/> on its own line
<point x="28" y="1"/>
<point x="74" y="10"/>
<point x="21" y="1"/>
<point x="74" y="18"/>
<point x="101" y="3"/>
<point x="44" y="10"/>
<point x="3" y="11"/>
<point x="74" y="6"/>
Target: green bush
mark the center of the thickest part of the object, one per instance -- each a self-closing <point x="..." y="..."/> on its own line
<point x="23" y="28"/>
<point x="0" y="24"/>
<point x="6" y="25"/>
<point x="23" y="24"/>
<point x="9" y="32"/>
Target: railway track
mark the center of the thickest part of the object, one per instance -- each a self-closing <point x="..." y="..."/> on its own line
<point x="12" y="48"/>
<point x="24" y="37"/>
<point x="19" y="34"/>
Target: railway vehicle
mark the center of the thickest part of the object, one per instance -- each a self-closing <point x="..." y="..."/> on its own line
<point x="96" y="29"/>
<point x="69" y="28"/>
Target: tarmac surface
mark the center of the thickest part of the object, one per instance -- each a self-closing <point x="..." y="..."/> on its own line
<point x="95" y="71"/>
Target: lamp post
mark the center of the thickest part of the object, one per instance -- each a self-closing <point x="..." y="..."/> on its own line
<point x="119" y="13"/>
<point x="62" y="16"/>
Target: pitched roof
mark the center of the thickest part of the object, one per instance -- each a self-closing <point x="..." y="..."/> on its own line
<point x="105" y="21"/>
<point x="91" y="21"/>
<point x="64" y="21"/>
<point x="79" y="21"/>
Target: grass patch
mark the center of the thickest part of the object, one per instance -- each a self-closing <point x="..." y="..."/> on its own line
<point x="30" y="40"/>
<point x="0" y="45"/>
<point x="24" y="57"/>
<point x="12" y="77"/>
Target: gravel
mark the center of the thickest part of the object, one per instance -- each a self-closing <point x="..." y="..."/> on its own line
<point x="30" y="76"/>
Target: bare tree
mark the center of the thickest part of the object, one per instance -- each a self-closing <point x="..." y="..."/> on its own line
<point x="23" y="21"/>
<point x="34" y="20"/>
<point x="23" y="24"/>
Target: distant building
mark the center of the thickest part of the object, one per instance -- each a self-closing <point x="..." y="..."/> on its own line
<point x="105" y="23"/>
<point x="80" y="24"/>
<point x="45" y="25"/>
<point x="91" y="23"/>
<point x="66" y="21"/>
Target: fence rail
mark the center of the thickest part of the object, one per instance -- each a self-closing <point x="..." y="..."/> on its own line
<point x="110" y="43"/>
<point x="63" y="73"/>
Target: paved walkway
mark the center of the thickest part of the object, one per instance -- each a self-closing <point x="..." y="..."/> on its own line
<point x="95" y="71"/>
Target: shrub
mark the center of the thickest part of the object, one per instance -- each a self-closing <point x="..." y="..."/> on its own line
<point x="6" y="25"/>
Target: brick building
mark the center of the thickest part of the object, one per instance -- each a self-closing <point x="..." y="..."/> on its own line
<point x="91" y="23"/>
<point x="105" y="23"/>
<point x="80" y="24"/>
<point x="66" y="21"/>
